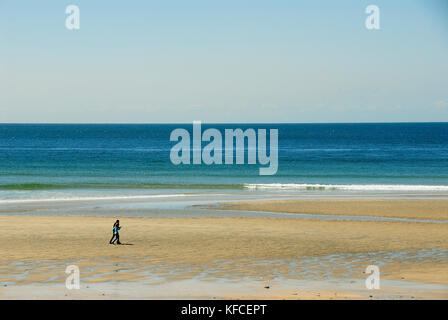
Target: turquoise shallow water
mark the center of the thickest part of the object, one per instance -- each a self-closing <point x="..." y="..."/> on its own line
<point x="57" y="161"/>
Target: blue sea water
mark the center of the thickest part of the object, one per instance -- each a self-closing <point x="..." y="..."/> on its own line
<point x="38" y="160"/>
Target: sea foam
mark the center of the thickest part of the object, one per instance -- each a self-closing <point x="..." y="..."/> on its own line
<point x="348" y="187"/>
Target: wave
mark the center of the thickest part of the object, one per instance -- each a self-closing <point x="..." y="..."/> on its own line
<point x="43" y="186"/>
<point x="88" y="198"/>
<point x="246" y="186"/>
<point x="348" y="187"/>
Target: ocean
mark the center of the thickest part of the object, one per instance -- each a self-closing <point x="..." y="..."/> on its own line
<point x="53" y="161"/>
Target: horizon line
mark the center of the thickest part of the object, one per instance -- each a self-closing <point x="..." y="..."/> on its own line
<point x="204" y="122"/>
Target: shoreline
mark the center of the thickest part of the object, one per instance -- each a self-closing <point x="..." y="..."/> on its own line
<point x="191" y="289"/>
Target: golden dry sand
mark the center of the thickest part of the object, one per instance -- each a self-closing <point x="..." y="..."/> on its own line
<point x="412" y="209"/>
<point x="199" y="240"/>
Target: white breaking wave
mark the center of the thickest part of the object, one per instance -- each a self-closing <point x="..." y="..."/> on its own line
<point x="347" y="187"/>
<point x="87" y="198"/>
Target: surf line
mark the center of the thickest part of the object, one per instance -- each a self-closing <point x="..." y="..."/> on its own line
<point x="212" y="153"/>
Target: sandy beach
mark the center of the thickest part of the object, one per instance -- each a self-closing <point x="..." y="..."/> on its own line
<point x="162" y="254"/>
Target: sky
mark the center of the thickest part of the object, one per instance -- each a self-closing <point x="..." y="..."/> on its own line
<point x="223" y="61"/>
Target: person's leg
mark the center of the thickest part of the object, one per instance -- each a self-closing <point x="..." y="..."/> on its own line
<point x="118" y="238"/>
<point x="113" y="239"/>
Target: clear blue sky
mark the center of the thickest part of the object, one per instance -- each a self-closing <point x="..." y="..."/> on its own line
<point x="223" y="61"/>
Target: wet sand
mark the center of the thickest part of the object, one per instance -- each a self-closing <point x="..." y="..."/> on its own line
<point x="434" y="209"/>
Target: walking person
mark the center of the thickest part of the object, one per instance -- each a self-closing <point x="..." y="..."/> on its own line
<point x="115" y="235"/>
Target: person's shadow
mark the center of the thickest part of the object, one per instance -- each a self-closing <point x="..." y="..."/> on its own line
<point x="126" y="244"/>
